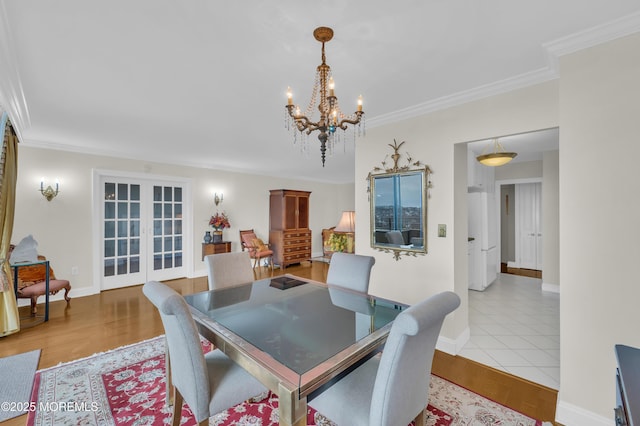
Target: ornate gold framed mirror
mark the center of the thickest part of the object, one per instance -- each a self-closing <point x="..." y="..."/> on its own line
<point x="398" y="197"/>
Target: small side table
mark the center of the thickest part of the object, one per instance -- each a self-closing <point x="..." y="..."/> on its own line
<point x="216" y="248"/>
<point x="17" y="266"/>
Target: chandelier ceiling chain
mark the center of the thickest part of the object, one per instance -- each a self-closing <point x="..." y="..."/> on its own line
<point x="331" y="117"/>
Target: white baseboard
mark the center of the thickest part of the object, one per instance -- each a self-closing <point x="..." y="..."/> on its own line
<point x="73" y="293"/>
<point x="572" y="415"/>
<point x="553" y="288"/>
<point x="453" y="346"/>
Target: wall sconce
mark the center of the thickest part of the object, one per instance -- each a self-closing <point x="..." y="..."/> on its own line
<point x="218" y="198"/>
<point x="49" y="193"/>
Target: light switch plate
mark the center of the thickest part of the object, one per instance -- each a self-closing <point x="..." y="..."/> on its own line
<point x="442" y="230"/>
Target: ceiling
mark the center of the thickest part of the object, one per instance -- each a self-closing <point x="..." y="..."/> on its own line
<point x="203" y="83"/>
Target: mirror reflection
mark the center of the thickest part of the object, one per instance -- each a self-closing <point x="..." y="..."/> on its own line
<point x="399" y="207"/>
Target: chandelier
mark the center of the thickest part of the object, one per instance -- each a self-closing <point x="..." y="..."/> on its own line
<point x="498" y="157"/>
<point x="331" y="118"/>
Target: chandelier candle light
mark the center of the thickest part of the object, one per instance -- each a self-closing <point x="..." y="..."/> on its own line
<point x="331" y="118"/>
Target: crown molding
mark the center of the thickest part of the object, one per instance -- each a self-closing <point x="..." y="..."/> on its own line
<point x="149" y="158"/>
<point x="507" y="85"/>
<point x="594" y="36"/>
<point x="12" y="97"/>
<point x="599" y="34"/>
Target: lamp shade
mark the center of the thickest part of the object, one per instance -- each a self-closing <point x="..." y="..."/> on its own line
<point x="347" y="222"/>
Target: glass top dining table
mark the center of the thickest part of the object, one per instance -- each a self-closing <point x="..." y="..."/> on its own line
<point x="293" y="334"/>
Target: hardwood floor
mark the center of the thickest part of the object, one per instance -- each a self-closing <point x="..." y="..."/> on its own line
<point x="533" y="273"/>
<point x="119" y="317"/>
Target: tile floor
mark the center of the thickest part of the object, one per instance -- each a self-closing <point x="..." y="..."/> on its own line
<point x="515" y="327"/>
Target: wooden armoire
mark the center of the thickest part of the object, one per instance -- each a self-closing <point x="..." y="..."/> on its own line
<point x="289" y="233"/>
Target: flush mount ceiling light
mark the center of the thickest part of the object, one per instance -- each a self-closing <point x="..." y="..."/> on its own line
<point x="498" y="157"/>
<point x="331" y="118"/>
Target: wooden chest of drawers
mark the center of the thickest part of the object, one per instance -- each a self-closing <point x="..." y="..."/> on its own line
<point x="215" y="248"/>
<point x="289" y="233"/>
<point x="290" y="246"/>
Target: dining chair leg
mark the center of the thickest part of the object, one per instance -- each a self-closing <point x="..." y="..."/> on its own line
<point x="169" y="382"/>
<point x="177" y="408"/>
<point x="421" y="418"/>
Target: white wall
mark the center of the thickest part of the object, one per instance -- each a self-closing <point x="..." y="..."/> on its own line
<point x="599" y="216"/>
<point x="432" y="139"/>
<point x="63" y="227"/>
<point x="523" y="170"/>
<point x="551" y="221"/>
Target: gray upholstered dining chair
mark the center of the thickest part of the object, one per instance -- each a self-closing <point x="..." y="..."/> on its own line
<point x="392" y="389"/>
<point x="228" y="269"/>
<point x="208" y="383"/>
<point x="351" y="271"/>
<point x="395" y="237"/>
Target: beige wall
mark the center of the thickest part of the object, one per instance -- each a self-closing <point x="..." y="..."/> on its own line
<point x="438" y="139"/>
<point x="524" y="170"/>
<point x="550" y="221"/>
<point x="63" y="227"/>
<point x="599" y="213"/>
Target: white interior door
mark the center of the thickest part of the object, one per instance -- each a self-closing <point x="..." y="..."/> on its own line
<point x="141" y="230"/>
<point x="529" y="225"/>
<point x="167" y="233"/>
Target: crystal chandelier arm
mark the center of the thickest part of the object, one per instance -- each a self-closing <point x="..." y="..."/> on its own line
<point x="343" y="123"/>
<point x="302" y="122"/>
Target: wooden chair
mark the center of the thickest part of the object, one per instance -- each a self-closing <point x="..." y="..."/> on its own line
<point x="257" y="248"/>
<point x="32" y="284"/>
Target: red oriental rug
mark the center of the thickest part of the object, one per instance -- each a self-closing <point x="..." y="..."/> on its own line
<point x="126" y="387"/>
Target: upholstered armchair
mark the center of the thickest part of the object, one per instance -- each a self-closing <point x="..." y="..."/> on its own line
<point x="256" y="247"/>
<point x="392" y="389"/>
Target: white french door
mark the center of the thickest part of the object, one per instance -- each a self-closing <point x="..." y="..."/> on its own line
<point x="142" y="230"/>
<point x="529" y="225"/>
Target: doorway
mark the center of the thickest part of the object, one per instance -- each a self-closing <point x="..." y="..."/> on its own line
<point x="520" y="227"/>
<point x="506" y="327"/>
<point x="140" y="224"/>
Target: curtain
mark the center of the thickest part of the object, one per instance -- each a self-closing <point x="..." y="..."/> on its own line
<point x="9" y="317"/>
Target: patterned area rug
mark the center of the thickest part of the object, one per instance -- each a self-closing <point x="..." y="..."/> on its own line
<point x="126" y="387"/>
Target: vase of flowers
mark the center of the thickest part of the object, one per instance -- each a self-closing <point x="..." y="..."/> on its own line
<point x="218" y="222"/>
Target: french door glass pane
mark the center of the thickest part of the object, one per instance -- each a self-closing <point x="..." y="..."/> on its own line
<point x="167" y="227"/>
<point x="121" y="228"/>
